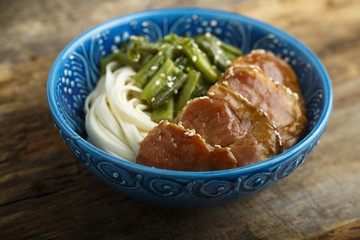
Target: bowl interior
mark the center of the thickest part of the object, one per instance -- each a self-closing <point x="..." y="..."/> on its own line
<point x="75" y="72"/>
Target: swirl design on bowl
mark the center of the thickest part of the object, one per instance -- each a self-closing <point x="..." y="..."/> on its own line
<point x="166" y="188"/>
<point x="119" y="176"/>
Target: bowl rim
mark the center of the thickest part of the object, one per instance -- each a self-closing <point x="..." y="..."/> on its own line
<point x="308" y="139"/>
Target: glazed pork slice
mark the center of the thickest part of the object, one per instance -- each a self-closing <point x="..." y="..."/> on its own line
<point x="273" y="67"/>
<point x="226" y="119"/>
<point x="280" y="104"/>
<point x="211" y="118"/>
<point x="171" y="146"/>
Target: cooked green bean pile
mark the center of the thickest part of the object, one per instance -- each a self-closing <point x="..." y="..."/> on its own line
<point x="174" y="69"/>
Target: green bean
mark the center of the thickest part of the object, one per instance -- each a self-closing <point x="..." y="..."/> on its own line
<point x="140" y="47"/>
<point x="200" y="61"/>
<point x="230" y="48"/>
<point x="158" y="81"/>
<point x="103" y="62"/>
<point x="131" y="51"/>
<point x="164" y="112"/>
<point x="188" y="90"/>
<point x="125" y="60"/>
<point x="173" y="39"/>
<point x="148" y="70"/>
<point x="141" y="44"/>
<point x="169" y="51"/>
<point x="173" y="85"/>
<point x="230" y="55"/>
<point x="145" y="58"/>
<point x="184" y="64"/>
<point x="212" y="48"/>
<point x="231" y="51"/>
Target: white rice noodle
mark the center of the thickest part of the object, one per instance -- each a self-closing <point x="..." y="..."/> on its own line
<point x="116" y="120"/>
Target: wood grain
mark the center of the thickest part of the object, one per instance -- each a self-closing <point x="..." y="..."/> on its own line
<point x="45" y="193"/>
<point x="348" y="231"/>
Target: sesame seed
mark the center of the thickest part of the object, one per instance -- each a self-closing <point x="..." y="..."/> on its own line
<point x="207" y="34"/>
<point x="153" y="99"/>
<point x="216" y="57"/>
<point x="231" y="71"/>
<point x="225" y="83"/>
<point x="260" y="51"/>
<point x="170" y="84"/>
<point x="296" y="96"/>
<point x="162" y="75"/>
<point x="157" y="83"/>
<point x="160" y="53"/>
<point x="194" y="58"/>
<point x="245" y="99"/>
<point x="176" y="91"/>
<point x="216" y="145"/>
<point x="203" y="97"/>
<point x="276" y="82"/>
<point x="154" y="67"/>
<point x="228" y="62"/>
<point x="255" y="68"/>
<point x="211" y="93"/>
<point x="218" y="43"/>
<point x="169" y="78"/>
<point x="179" y="47"/>
<point x="191" y="134"/>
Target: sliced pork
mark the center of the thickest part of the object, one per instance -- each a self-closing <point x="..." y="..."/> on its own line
<point x="171" y="146"/>
<point x="276" y="100"/>
<point x="231" y="121"/>
<point x="273" y="67"/>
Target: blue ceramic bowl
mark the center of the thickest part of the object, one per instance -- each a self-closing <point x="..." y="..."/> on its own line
<point x="74" y="74"/>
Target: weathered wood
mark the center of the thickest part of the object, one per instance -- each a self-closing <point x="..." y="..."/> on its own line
<point x="45" y="193"/>
<point x="348" y="231"/>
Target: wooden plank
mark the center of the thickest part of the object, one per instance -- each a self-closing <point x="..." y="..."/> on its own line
<point x="345" y="232"/>
<point x="45" y="193"/>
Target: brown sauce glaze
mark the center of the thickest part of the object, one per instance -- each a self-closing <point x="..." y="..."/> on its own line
<point x="273" y="67"/>
<point x="171" y="146"/>
<point x="231" y="121"/>
<point x="280" y="103"/>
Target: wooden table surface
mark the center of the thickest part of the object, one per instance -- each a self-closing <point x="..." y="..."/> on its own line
<point x="45" y="193"/>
